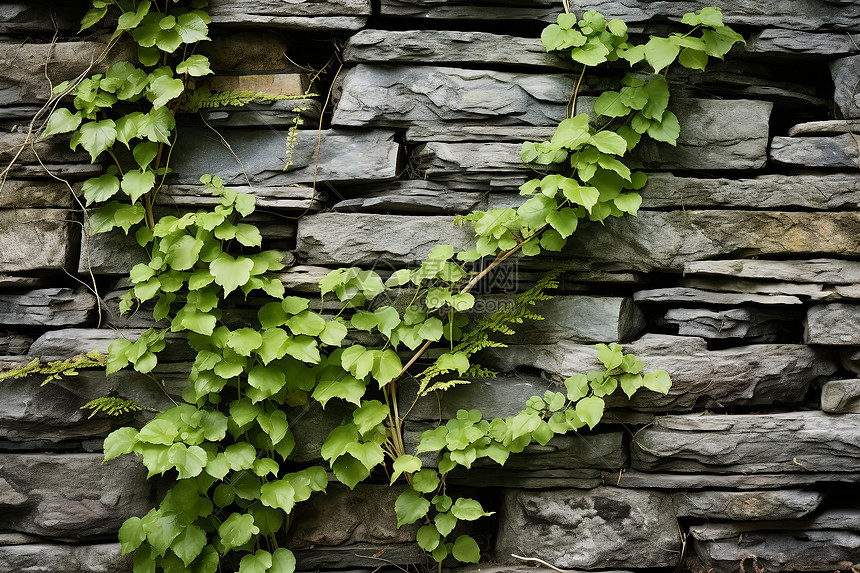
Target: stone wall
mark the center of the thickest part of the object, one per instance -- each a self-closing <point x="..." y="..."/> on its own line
<point x="740" y="276"/>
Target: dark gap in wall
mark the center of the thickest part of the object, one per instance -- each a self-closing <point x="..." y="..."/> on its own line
<point x="520" y="28"/>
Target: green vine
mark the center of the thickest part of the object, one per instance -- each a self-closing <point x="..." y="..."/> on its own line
<point x="229" y="445"/>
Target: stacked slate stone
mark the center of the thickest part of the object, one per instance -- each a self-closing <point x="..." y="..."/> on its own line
<point x="739" y="276"/>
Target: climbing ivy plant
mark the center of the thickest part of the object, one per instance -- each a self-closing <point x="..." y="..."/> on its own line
<point x="228" y="446"/>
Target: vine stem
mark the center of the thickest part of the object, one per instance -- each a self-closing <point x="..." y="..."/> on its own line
<point x="572" y="109"/>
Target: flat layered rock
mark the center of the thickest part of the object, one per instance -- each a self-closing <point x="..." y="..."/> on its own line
<point x="39" y="17"/>
<point x="845" y="72"/>
<point x="47" y="307"/>
<point x="290" y="199"/>
<point x="541" y="10"/>
<point x="34" y="239"/>
<point x="835" y="151"/>
<point x="675" y="295"/>
<point x="47" y="558"/>
<point x="245" y="50"/>
<point x="292" y="14"/>
<point x="345" y="157"/>
<point x="69" y="342"/>
<point x="841" y="396"/>
<point x="832" y="324"/>
<point x="833" y="519"/>
<point x="652" y="240"/>
<point x="752" y="323"/>
<point x="19" y="194"/>
<point x="789" y="551"/>
<point x="782" y="42"/>
<point x="412" y="197"/>
<point x="71" y="496"/>
<point x="604" y="527"/>
<point x="449" y="48"/>
<point x="451" y="132"/>
<point x="747" y="375"/>
<point x="789" y="443"/>
<point x="806" y="291"/>
<point x="635" y="479"/>
<point x="816" y="192"/>
<point x="827" y="271"/>
<point x="747" y="505"/>
<point x="528" y="478"/>
<point x="827" y="126"/>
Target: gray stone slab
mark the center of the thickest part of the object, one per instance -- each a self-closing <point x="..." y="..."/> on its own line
<point x="682" y="295"/>
<point x="841" y="396"/>
<point x="461" y="132"/>
<point x="816" y="192"/>
<point x="527" y="478"/>
<point x="254" y="115"/>
<point x="111" y="253"/>
<point x="604" y="527"/>
<point x="750" y="323"/>
<point x="413" y="197"/>
<point x="243" y="50"/>
<point x="303" y="278"/>
<point x="450" y="48"/>
<point x="826" y="127"/>
<point x="782" y="42"/>
<point x="835" y="151"/>
<point x="28" y="150"/>
<point x="40" y="17"/>
<point x="71" y="496"/>
<point x="806" y="291"/>
<point x="652" y="240"/>
<point x="832" y="324"/>
<point x="63" y="344"/>
<point x="845" y="72"/>
<point x="351" y="157"/>
<point x="789" y="443"/>
<point x="335" y="558"/>
<point x="789" y="551"/>
<point x="34" y="239"/>
<point x="541" y="10"/>
<point x="34" y="194"/>
<point x="291" y="199"/>
<point x="759" y="374"/>
<point x="747" y="505"/>
<point x="292" y="14"/>
<point x="826" y="271"/>
<point x="48" y="558"/>
<point x="23" y="282"/>
<point x="833" y="519"/>
<point x="47" y="307"/>
<point x="635" y="479"/>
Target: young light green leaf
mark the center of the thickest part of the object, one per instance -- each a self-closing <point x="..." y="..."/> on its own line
<point x="410" y="506"/>
<point x="62" y="121"/>
<point x="658" y="381"/>
<point x="466" y="550"/>
<point x="195" y="65"/>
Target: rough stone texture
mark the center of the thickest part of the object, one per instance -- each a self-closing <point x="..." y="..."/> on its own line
<point x="273" y="116"/>
<point x="34" y="194"/>
<point x="33" y="239"/>
<point x="832" y="324"/>
<point x="699" y="296"/>
<point x="413" y="198"/>
<point x="827" y="126"/>
<point x="828" y="271"/>
<point x="747" y="505"/>
<point x="746" y="375"/>
<point x="841" y="396"/>
<point x="70" y="496"/>
<point x="828" y="519"/>
<point x="366" y="555"/>
<point x="22" y="66"/>
<point x="445" y="9"/>
<point x="846" y="97"/>
<point x="54" y="152"/>
<point x="797" y="551"/>
<point x="635" y="479"/>
<point x="604" y="527"/>
<point x="285" y="84"/>
<point x="750" y="323"/>
<point x="790" y="442"/>
<point x="816" y="192"/>
<point x="835" y="151"/>
<point x="47" y="558"/>
<point x="62" y="344"/>
<point x="528" y="478"/>
<point x="111" y="253"/>
<point x="40" y="17"/>
<point x="245" y="50"/>
<point x="458" y="133"/>
<point x="12" y="344"/>
<point x="345" y="157"/>
<point x="316" y="15"/>
<point x="47" y="307"/>
<point x="806" y="291"/>
<point x="652" y="240"/>
<point x="449" y="48"/>
<point x="293" y="199"/>
<point x="779" y="42"/>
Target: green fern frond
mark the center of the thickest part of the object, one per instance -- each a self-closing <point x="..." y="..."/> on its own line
<point x="442" y="386"/>
<point x="58" y="368"/>
<point x="203" y="98"/>
<point x="110" y="405"/>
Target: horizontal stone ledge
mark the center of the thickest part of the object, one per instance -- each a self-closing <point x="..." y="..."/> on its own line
<point x="313" y="15"/>
<point x="760" y="374"/>
<point x="287" y="198"/>
<point x="604" y="527"/>
<point x="346" y="156"/>
<point x="826" y="271"/>
<point x="70" y="496"/>
<point x="48" y="558"/>
<point x="746" y="505"/>
<point x="21" y="194"/>
<point x="832" y="519"/>
<point x="835" y="151"/>
<point x="63" y="344"/>
<point x="413" y="197"/>
<point x="832" y="324"/>
<point x="790" y="443"/>
<point x="795" y="43"/>
<point x="47" y="307"/>
<point x="815" y="192"/>
<point x="826" y="127"/>
<point x="652" y="240"/>
<point x="579" y="478"/>
<point x="806" y="291"/>
<point x="841" y="396"/>
<point x="450" y="48"/>
<point x="636" y="479"/>
<point x="34" y="239"/>
<point x="458" y="133"/>
<point x="19" y="146"/>
<point x="781" y="551"/>
<point x="540" y="10"/>
<point x="687" y="295"/>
